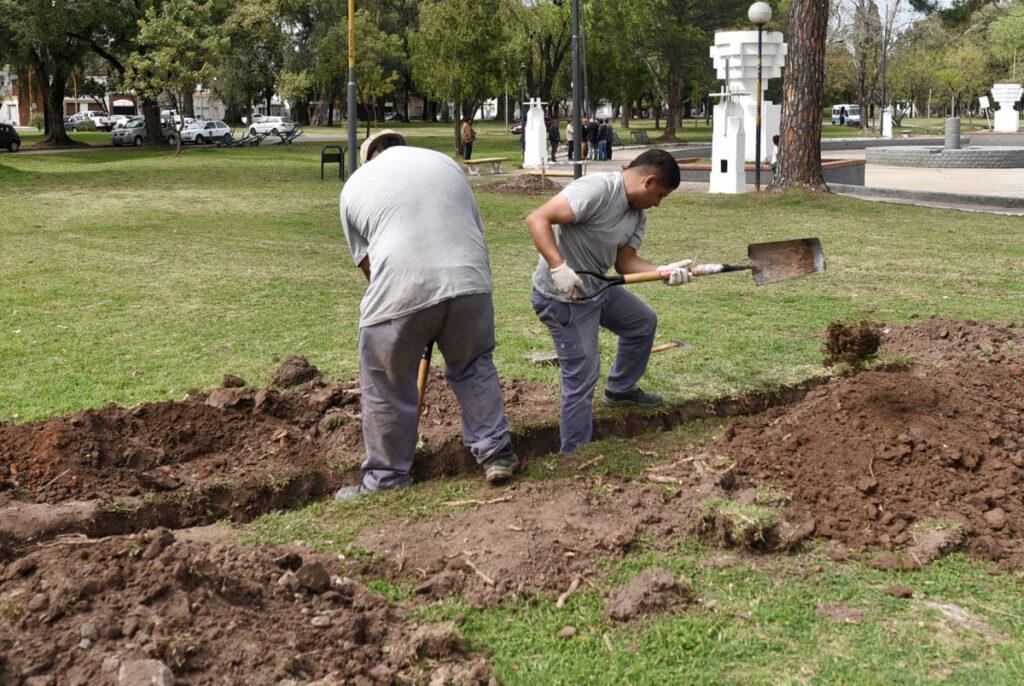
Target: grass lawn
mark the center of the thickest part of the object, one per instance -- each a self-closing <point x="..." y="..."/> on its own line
<point x="133" y="276"/>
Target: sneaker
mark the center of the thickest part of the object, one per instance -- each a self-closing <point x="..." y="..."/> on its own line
<point x="352" y="492"/>
<point x="501" y="465"/>
<point x="634" y="398"/>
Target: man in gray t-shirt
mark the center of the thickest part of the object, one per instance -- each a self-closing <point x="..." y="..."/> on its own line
<point x="414" y="228"/>
<point x="595" y="223"/>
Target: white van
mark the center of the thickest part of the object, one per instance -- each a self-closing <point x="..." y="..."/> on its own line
<point x="850" y="114"/>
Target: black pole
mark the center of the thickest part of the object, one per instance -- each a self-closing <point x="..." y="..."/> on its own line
<point x="583" y="58"/>
<point x="757" y="133"/>
<point x="577" y="119"/>
<point x="522" y="108"/>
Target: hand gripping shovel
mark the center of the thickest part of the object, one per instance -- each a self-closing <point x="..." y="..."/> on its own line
<point x="769" y="262"/>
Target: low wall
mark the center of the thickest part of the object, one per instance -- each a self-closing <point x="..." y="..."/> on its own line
<point x="850" y="172"/>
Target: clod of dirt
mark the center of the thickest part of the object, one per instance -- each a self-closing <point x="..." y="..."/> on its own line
<point x="295" y="370"/>
<point x="232" y="381"/>
<point x="524" y="184"/>
<point x="652" y="591"/>
<point x="853" y="344"/>
<point x="931" y="544"/>
<point x="435" y="641"/>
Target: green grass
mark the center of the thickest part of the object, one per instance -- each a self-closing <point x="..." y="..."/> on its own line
<point x="757" y="624"/>
<point x="133" y="276"/>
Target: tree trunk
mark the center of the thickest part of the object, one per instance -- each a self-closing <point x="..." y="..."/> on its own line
<point x="53" y="109"/>
<point x="803" y="90"/>
<point x="151" y="111"/>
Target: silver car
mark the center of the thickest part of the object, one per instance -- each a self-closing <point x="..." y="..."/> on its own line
<point x="134" y="133"/>
<point x="268" y="125"/>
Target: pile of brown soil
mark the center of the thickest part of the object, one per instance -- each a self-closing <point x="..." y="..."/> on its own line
<point x="852" y="344"/>
<point x="524" y="184"/>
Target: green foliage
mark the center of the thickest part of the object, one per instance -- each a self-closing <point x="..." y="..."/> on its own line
<point x="37" y="121"/>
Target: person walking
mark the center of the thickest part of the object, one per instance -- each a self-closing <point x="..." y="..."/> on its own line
<point x="424" y="254"/>
<point x="602" y="140"/>
<point x="468" y="136"/>
<point x="596" y="222"/>
<point x="584" y="148"/>
<point x="554" y="137"/>
<point x="569" y="138"/>
<point x="592" y="129"/>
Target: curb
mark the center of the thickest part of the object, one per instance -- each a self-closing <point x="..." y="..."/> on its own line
<point x="930" y="196"/>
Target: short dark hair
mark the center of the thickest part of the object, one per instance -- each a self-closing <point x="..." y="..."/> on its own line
<point x="382" y="145"/>
<point x="661" y="164"/>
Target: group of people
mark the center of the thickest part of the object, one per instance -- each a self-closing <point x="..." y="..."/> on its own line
<point x="424" y="254"/>
<point x="596" y="139"/>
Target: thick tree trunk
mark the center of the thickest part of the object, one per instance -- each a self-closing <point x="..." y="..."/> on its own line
<point x="803" y="89"/>
<point x="54" y="110"/>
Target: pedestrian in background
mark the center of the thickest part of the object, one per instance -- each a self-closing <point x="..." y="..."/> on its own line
<point x="554" y="137"/>
<point x="468" y="136"/>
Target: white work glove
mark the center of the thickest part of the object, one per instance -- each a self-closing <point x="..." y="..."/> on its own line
<point x="565" y="279"/>
<point x="680" y="274"/>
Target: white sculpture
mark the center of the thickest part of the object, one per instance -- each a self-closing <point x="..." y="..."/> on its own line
<point x="536" y="153"/>
<point x="728" y="168"/>
<point x="1007" y="119"/>
<point x="735" y="59"/>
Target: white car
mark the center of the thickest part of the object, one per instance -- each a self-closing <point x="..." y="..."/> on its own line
<point x="278" y="125"/>
<point x="201" y="132"/>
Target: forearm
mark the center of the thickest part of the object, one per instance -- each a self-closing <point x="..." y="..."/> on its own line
<point x="632" y="264"/>
<point x="544" y="239"/>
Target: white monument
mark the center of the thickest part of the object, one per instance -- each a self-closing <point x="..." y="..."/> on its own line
<point x="728" y="168"/>
<point x="1007" y="119"/>
<point x="887" y="122"/>
<point x="735" y="59"/>
<point x="536" y="153"/>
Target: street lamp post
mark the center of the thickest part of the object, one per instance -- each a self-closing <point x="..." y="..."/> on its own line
<point x="522" y="107"/>
<point x="760" y="13"/>
<point x="577" y="115"/>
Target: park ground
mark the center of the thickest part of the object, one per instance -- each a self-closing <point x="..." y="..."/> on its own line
<point x="832" y="493"/>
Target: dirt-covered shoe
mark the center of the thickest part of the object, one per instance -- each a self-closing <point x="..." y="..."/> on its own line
<point x="501" y="465"/>
<point x="635" y="398"/>
<point x="351" y="492"/>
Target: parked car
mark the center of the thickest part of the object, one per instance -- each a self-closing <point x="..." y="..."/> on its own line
<point x="100" y="119"/>
<point x="517" y="128"/>
<point x="278" y="125"/>
<point x="117" y="120"/>
<point x="72" y="122"/>
<point x="9" y="138"/>
<point x="134" y="133"/>
<point x="201" y="132"/>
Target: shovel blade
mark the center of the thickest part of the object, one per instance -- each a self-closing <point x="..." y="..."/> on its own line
<point x="781" y="260"/>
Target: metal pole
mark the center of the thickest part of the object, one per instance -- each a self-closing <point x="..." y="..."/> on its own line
<point x="577" y="116"/>
<point x="583" y="58"/>
<point x="757" y="132"/>
<point x="353" y="117"/>
<point x="522" y="108"/>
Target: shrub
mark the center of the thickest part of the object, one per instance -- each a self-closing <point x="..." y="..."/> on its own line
<point x="87" y="125"/>
<point x="37" y="121"/>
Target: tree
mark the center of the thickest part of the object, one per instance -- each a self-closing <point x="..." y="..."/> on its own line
<point x="461" y="51"/>
<point x="177" y="41"/>
<point x="803" y="87"/>
<point x="671" y="37"/>
<point x="40" y="35"/>
<point x="1006" y="41"/>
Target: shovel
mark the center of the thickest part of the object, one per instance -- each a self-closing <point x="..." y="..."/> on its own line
<point x="769" y="262"/>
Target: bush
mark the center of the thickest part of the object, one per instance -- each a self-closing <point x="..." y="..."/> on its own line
<point x="37" y="121"/>
<point x="87" y="125"/>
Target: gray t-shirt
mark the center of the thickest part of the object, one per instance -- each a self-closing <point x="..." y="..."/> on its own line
<point x="604" y="223"/>
<point x="413" y="213"/>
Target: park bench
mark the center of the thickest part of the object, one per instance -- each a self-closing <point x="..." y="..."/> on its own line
<point x="473" y="166"/>
<point x="641" y="137"/>
<point x="537" y="172"/>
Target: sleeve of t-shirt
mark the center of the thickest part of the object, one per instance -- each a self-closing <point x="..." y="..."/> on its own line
<point x="356" y="241"/>
<point x="586" y="198"/>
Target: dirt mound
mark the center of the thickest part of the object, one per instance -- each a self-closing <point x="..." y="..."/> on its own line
<point x="210" y="613"/>
<point x="524" y="184"/>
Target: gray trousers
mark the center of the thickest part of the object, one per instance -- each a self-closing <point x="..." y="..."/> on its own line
<point x="389" y="359"/>
<point x="574" y="329"/>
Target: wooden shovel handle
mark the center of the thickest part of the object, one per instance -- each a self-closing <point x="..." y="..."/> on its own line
<point x="421" y="378"/>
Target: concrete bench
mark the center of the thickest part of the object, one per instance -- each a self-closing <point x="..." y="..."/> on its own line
<point x="473" y="166"/>
<point x="641" y="137"/>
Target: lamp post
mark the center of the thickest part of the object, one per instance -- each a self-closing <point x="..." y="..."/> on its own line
<point x="522" y="107"/>
<point x="353" y="117"/>
<point x="577" y="115"/>
<point x="760" y="13"/>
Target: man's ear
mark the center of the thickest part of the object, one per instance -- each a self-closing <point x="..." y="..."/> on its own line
<point x="650" y="181"/>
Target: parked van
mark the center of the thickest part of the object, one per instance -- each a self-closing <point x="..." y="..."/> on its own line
<point x="850" y="114"/>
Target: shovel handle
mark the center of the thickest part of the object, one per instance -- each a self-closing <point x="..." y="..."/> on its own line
<point x="421" y="378"/>
<point x="709" y="269"/>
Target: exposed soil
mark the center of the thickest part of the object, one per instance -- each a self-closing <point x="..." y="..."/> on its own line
<point x="853" y="344"/>
<point x="524" y="184"/>
<point x="893" y="466"/>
